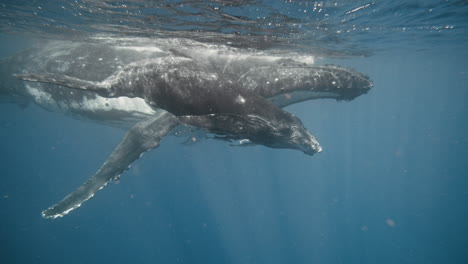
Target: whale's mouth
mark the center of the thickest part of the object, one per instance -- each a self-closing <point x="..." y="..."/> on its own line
<point x="319" y="149"/>
<point x="314" y="149"/>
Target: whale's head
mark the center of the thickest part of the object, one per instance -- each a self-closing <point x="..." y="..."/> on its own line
<point x="295" y="136"/>
<point x="288" y="133"/>
<point x="303" y="140"/>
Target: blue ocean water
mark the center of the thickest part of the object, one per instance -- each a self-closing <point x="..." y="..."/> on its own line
<point x="390" y="186"/>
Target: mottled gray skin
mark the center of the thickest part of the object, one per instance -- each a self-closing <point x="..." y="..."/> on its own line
<point x="188" y="90"/>
<point x="81" y="60"/>
<point x="283" y="81"/>
<point x="223" y="90"/>
<point x="201" y="97"/>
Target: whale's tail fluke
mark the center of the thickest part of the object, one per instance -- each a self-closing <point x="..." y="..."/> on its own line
<point x="67" y="81"/>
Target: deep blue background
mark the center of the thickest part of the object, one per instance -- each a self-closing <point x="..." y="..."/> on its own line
<point x="390" y="187"/>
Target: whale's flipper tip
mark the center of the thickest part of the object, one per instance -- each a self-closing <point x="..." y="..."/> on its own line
<point x="76" y="198"/>
<point x="61" y="209"/>
<point x="48" y="214"/>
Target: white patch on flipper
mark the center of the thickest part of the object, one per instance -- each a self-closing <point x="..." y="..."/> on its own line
<point x="62" y="214"/>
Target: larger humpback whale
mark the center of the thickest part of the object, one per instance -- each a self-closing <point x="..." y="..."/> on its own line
<point x="225" y="91"/>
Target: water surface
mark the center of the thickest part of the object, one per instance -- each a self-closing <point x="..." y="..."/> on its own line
<point x="389" y="187"/>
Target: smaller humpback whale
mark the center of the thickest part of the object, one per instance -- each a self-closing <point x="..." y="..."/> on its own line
<point x="228" y="93"/>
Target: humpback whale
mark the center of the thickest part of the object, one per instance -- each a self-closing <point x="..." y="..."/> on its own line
<point x="201" y="97"/>
<point x="228" y="92"/>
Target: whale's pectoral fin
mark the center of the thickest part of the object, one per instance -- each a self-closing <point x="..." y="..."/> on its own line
<point x="67" y="81"/>
<point x="228" y="124"/>
<point x="144" y="136"/>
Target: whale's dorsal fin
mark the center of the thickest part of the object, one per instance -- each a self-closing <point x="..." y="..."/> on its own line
<point x="142" y="137"/>
<point x="67" y="81"/>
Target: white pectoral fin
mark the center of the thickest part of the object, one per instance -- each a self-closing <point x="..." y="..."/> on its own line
<point x="144" y="136"/>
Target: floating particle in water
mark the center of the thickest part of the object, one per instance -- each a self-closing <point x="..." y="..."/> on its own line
<point x="390" y="222"/>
